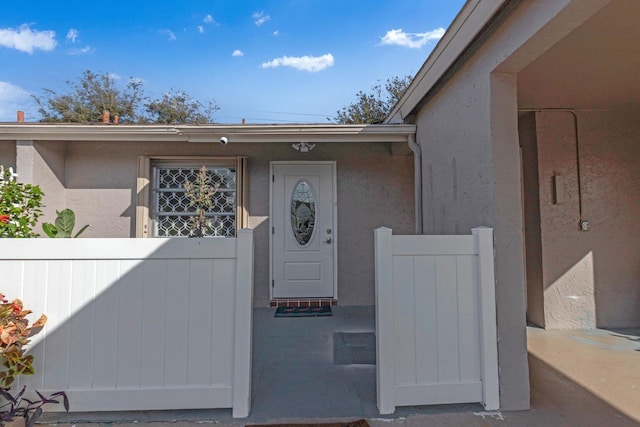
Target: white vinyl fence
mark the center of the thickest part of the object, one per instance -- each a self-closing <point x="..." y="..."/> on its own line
<point x="138" y="324"/>
<point x="435" y="320"/>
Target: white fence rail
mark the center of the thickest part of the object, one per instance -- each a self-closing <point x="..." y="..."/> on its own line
<point x="435" y="320"/>
<point x="138" y="324"/>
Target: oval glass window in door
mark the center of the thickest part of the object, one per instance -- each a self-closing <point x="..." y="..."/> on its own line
<point x="303" y="212"/>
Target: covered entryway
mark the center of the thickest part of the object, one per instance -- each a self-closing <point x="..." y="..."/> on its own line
<point x="579" y="127"/>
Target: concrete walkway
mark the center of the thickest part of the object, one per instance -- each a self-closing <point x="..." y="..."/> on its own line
<point x="578" y="378"/>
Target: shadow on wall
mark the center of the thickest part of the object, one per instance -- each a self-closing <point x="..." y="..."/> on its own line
<point x="152" y="327"/>
<point x="576" y="278"/>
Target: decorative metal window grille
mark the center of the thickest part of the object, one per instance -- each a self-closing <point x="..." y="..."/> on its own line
<point x="173" y="217"/>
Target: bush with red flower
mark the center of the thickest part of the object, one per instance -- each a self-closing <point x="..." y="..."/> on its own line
<point x="19" y="206"/>
<point x="15" y="332"/>
<point x="14" y="335"/>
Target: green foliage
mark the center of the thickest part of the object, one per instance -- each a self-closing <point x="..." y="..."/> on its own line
<point x="87" y="98"/>
<point x="15" y="332"/>
<point x="19" y="206"/>
<point x="200" y="195"/>
<point x="178" y="107"/>
<point x="374" y="106"/>
<point x="64" y="224"/>
<point x="14" y="335"/>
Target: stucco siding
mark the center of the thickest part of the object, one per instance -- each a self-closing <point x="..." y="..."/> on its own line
<point x="8" y="154"/>
<point x="531" y="203"/>
<point x="456" y="135"/>
<point x="374" y="187"/>
<point x="468" y="129"/>
<point x="591" y="278"/>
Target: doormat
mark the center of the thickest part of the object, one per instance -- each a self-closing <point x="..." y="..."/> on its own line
<point x="354" y="348"/>
<point x="303" y="311"/>
<point x="358" y="423"/>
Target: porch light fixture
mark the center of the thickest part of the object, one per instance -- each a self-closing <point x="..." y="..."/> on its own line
<point x="303" y="147"/>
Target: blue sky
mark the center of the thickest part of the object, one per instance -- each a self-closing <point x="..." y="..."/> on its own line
<point x="266" y="61"/>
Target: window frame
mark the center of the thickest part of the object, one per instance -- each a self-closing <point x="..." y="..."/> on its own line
<point x="144" y="184"/>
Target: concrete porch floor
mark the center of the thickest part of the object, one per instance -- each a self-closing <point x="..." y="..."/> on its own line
<point x="578" y="378"/>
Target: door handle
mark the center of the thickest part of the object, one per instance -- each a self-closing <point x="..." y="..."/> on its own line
<point x="328" y="240"/>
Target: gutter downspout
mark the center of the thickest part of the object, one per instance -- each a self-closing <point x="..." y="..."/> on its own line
<point x="417" y="179"/>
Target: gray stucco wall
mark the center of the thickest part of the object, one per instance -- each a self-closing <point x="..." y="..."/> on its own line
<point x="459" y="192"/>
<point x="531" y="201"/>
<point x="468" y="130"/>
<point x="375" y="188"/>
<point x="8" y="154"/>
<point x="590" y="278"/>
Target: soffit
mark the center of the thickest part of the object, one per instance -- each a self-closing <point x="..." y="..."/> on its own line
<point x="596" y="66"/>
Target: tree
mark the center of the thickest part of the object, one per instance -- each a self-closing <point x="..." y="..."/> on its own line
<point x="87" y="98"/>
<point x="178" y="107"/>
<point x="374" y="106"/>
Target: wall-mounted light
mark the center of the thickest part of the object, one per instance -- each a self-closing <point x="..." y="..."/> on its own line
<point x="303" y="147"/>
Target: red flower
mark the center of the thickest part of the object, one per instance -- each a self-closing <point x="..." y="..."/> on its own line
<point x="4" y="218"/>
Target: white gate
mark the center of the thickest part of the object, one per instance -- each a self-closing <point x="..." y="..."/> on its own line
<point x="435" y="320"/>
<point x="138" y="324"/>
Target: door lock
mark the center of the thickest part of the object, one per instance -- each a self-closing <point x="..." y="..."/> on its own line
<point x="328" y="240"/>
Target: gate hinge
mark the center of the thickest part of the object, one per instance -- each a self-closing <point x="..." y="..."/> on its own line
<point x="273" y="284"/>
<point x="273" y="178"/>
<point x="273" y="230"/>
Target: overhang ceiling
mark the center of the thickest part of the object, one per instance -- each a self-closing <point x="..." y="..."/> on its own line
<point x="595" y="66"/>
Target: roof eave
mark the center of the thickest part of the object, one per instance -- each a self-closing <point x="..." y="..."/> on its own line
<point x="465" y="28"/>
<point x="208" y="133"/>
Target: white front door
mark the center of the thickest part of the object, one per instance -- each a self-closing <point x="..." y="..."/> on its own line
<point x="303" y="220"/>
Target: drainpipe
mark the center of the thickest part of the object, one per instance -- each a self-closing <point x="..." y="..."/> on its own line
<point x="417" y="179"/>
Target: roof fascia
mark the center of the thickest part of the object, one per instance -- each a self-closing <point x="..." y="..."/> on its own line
<point x="465" y="28"/>
<point x="208" y="133"/>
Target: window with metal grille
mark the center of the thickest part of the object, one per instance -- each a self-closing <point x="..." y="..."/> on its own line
<point x="162" y="207"/>
<point x="173" y="213"/>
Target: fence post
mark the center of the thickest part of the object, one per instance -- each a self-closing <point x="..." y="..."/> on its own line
<point x="385" y="380"/>
<point x="483" y="237"/>
<point x="243" y="325"/>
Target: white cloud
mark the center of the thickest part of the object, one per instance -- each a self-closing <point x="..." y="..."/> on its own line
<point x="276" y="33"/>
<point x="169" y="33"/>
<point x="114" y="76"/>
<point x="26" y="40"/>
<point x="411" y="40"/>
<point x="260" y="18"/>
<point x="304" y="63"/>
<point x="72" y="35"/>
<point x="12" y="99"/>
<point x="87" y="50"/>
<point x="237" y="52"/>
<point x="200" y="29"/>
<point x="209" y="20"/>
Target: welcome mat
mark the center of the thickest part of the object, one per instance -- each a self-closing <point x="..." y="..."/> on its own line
<point x="358" y="423"/>
<point x="354" y="348"/>
<point x="303" y="311"/>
